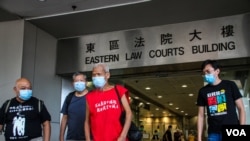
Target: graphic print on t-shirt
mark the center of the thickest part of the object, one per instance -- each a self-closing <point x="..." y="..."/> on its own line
<point x="217" y="103"/>
<point x="18" y="125"/>
<point x="19" y="119"/>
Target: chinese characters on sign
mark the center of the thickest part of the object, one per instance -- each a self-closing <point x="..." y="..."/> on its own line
<point x="218" y="38"/>
<point x="165" y="38"/>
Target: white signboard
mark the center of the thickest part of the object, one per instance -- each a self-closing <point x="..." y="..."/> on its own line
<point x="218" y="38"/>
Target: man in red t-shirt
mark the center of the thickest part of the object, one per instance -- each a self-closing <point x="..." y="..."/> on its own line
<point x="103" y="109"/>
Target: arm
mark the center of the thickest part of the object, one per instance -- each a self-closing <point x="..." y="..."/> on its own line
<point x="241" y="111"/>
<point x="2" y="117"/>
<point x="200" y="122"/>
<point x="46" y="130"/>
<point x="128" y="120"/>
<point x="166" y="136"/>
<point x="87" y="124"/>
<point x="1" y="130"/>
<point x="63" y="127"/>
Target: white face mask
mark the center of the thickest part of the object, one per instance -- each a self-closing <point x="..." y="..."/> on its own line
<point x="79" y="86"/>
<point x="99" y="81"/>
<point x="25" y="94"/>
<point x="209" y="78"/>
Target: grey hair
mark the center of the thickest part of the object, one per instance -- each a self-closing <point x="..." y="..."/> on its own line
<point x="78" y="73"/>
<point x="103" y="65"/>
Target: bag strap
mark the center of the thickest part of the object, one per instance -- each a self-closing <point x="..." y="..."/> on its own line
<point x="68" y="99"/>
<point x="7" y="106"/>
<point x="118" y="95"/>
<point x="40" y="105"/>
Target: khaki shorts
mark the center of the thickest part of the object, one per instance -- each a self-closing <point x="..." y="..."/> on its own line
<point x="75" y="140"/>
<point x="37" y="139"/>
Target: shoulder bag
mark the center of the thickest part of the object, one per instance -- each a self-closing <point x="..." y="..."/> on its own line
<point x="134" y="134"/>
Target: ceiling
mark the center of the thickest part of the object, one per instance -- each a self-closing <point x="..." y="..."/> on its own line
<point x="70" y="18"/>
<point x="166" y="90"/>
<point x="58" y="18"/>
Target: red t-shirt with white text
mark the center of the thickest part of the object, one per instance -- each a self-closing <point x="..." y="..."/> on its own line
<point x="105" y="111"/>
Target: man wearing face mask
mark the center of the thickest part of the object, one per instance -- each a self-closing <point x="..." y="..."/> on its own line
<point x="103" y="109"/>
<point x="221" y="98"/>
<point x="25" y="117"/>
<point x="74" y="110"/>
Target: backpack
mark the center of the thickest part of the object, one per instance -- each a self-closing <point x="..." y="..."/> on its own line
<point x="40" y="103"/>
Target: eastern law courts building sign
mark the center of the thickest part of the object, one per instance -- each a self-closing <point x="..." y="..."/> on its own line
<point x="217" y="38"/>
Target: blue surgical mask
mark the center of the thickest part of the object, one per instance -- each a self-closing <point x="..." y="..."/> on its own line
<point x="99" y="81"/>
<point x="25" y="94"/>
<point x="209" y="78"/>
<point x="79" y="86"/>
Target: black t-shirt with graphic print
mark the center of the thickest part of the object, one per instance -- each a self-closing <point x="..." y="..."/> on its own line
<point x="23" y="120"/>
<point x="220" y="103"/>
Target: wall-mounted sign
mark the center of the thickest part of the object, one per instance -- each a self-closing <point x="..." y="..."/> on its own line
<point x="217" y="38"/>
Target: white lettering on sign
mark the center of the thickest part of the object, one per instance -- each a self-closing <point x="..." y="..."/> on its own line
<point x="236" y="132"/>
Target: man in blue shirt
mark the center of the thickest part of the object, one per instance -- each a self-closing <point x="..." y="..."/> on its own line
<point x="73" y="110"/>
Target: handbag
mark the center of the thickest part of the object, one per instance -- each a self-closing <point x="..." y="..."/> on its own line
<point x="134" y="134"/>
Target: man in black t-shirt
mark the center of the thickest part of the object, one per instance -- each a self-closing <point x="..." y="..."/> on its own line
<point x="26" y="117"/>
<point x="221" y="98"/>
<point x="168" y="134"/>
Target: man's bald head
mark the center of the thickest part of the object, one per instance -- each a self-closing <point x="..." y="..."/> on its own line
<point x="22" y="80"/>
<point x="22" y="84"/>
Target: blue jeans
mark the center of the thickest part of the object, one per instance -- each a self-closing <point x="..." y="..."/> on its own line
<point x="214" y="137"/>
